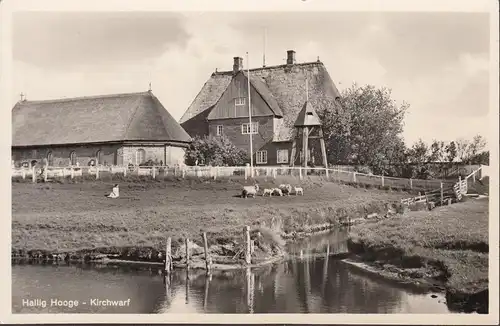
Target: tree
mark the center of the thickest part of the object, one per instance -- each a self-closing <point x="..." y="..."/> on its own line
<point x="437" y="151"/>
<point x="462" y="149"/>
<point x="450" y="151"/>
<point x="481" y="158"/>
<point x="364" y="128"/>
<point x="477" y="144"/>
<point x="215" y="151"/>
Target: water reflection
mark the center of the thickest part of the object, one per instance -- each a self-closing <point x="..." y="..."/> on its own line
<point x="317" y="283"/>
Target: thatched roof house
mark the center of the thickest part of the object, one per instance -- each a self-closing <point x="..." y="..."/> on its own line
<point x="79" y="129"/>
<point x="282" y="89"/>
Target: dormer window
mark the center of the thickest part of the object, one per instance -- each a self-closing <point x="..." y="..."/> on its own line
<point x="239" y="101"/>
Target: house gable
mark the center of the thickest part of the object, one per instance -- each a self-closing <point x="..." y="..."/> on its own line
<point x="234" y="101"/>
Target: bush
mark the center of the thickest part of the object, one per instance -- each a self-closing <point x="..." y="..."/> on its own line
<point x="215" y="151"/>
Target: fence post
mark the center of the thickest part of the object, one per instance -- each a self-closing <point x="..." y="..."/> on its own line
<point x="246" y="173"/>
<point x="187" y="254"/>
<point x="23" y="171"/>
<point x="474" y="177"/>
<point x="45" y="173"/>
<point x="383" y="181"/>
<point x="72" y="172"/>
<point x="208" y="259"/>
<point x="354" y="177"/>
<point x="125" y="171"/>
<point x="442" y="194"/>
<point x="300" y="172"/>
<point x="168" y="255"/>
<point x="248" y="252"/>
<point x="34" y="175"/>
<point x="183" y="172"/>
<point x="274" y="173"/>
<point x="411" y="183"/>
<point x="154" y="173"/>
<point x="216" y="171"/>
<point x="96" y="172"/>
<point x="326" y="173"/>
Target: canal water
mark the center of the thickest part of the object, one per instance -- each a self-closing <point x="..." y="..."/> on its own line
<point x="313" y="280"/>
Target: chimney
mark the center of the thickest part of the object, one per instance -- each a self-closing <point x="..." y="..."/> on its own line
<point x="290" y="60"/>
<point x="238" y="64"/>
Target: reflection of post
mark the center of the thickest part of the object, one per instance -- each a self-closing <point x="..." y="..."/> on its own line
<point x="250" y="289"/>
<point x="167" y="280"/>
<point x="187" y="286"/>
<point x="307" y="284"/>
<point x="325" y="269"/>
<point x="168" y="256"/>
<point x="208" y="278"/>
<point x="248" y="250"/>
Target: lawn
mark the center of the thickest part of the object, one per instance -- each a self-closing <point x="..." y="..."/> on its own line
<point x="449" y="244"/>
<point x="76" y="216"/>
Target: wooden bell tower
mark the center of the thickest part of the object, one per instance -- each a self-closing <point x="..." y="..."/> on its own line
<point x="307" y="126"/>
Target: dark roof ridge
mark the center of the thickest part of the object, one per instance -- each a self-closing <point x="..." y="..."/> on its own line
<point x="86" y="97"/>
<point x="271" y="67"/>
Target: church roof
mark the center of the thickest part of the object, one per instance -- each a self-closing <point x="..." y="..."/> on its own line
<point x="284" y="85"/>
<point x="94" y="119"/>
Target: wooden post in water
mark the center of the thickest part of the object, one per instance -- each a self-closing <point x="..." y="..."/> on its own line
<point x="187" y="255"/>
<point x="248" y="252"/>
<point x="168" y="256"/>
<point x="325" y="268"/>
<point x="208" y="259"/>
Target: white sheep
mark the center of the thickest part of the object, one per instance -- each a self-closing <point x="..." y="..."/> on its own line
<point x="298" y="190"/>
<point x="286" y="189"/>
<point x="268" y="192"/>
<point x="277" y="191"/>
<point x="250" y="191"/>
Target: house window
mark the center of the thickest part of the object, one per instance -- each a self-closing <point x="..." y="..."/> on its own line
<point x="239" y="101"/>
<point x="282" y="156"/>
<point x="219" y="130"/>
<point x="261" y="157"/>
<point x="245" y="128"/>
<point x="50" y="159"/>
<point x="140" y="156"/>
<point x="72" y="158"/>
<point x="98" y="157"/>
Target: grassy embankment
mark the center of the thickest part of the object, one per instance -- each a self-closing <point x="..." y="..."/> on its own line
<point x="75" y="216"/>
<point x="446" y="247"/>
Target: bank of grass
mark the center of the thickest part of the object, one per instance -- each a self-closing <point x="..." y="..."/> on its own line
<point x="447" y="246"/>
<point x="68" y="217"/>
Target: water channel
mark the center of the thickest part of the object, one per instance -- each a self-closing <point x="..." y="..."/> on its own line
<point x="313" y="280"/>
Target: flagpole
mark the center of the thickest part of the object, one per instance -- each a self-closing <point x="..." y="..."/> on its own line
<point x="250" y="117"/>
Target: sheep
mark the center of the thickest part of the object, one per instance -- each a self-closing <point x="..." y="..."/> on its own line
<point x="250" y="191"/>
<point x="286" y="189"/>
<point x="277" y="191"/>
<point x="298" y="190"/>
<point x="268" y="192"/>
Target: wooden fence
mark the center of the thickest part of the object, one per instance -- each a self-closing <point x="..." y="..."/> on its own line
<point x="46" y="173"/>
<point x="445" y="194"/>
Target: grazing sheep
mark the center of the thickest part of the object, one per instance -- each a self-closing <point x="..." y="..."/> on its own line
<point x="115" y="193"/>
<point x="286" y="189"/>
<point x="250" y="191"/>
<point x="298" y="190"/>
<point x="268" y="192"/>
<point x="277" y="191"/>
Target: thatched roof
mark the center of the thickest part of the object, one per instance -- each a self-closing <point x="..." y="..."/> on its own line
<point x="285" y="85"/>
<point x="96" y="119"/>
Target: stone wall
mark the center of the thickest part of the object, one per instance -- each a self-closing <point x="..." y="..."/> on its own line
<point x="116" y="154"/>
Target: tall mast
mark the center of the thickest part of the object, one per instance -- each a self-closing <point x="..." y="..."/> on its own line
<point x="250" y="117"/>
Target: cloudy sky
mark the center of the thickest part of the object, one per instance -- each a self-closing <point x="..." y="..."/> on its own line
<point x="437" y="62"/>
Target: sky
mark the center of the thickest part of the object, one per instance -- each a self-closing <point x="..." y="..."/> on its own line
<point x="438" y="62"/>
